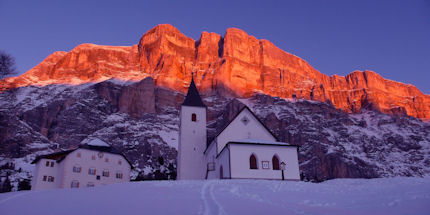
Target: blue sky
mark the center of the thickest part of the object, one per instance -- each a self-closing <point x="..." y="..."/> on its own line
<point x="391" y="38"/>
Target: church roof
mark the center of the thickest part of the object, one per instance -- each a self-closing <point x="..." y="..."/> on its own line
<point x="219" y="131"/>
<point x="193" y="97"/>
<point x="59" y="156"/>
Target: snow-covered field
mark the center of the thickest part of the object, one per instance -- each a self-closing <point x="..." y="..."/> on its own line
<point x="340" y="196"/>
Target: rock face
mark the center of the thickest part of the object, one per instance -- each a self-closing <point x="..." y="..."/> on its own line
<point x="141" y="120"/>
<point x="237" y="64"/>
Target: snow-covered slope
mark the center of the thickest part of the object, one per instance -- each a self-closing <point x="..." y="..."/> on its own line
<point x="141" y="120"/>
<point x="340" y="196"/>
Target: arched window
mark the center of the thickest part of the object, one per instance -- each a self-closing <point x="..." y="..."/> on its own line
<point x="193" y="117"/>
<point x="221" y="174"/>
<point x="275" y="162"/>
<point x="253" y="162"/>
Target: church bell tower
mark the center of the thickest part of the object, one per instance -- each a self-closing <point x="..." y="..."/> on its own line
<point x="192" y="136"/>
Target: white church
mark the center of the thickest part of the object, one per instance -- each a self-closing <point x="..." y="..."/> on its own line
<point x="244" y="149"/>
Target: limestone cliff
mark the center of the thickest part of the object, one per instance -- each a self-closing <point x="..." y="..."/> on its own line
<point x="237" y="64"/>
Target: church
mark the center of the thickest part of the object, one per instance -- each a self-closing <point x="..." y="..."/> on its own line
<point x="244" y="149"/>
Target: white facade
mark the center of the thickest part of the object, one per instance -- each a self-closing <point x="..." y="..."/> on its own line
<point x="244" y="149"/>
<point x="240" y="154"/>
<point x="82" y="167"/>
<point x="240" y="129"/>
<point x="191" y="136"/>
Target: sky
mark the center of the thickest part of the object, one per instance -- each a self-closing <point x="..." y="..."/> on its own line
<point x="391" y="38"/>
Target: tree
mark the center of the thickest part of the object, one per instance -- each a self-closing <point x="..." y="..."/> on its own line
<point x="24" y="184"/>
<point x="161" y="160"/>
<point x="7" y="65"/>
<point x="6" y="186"/>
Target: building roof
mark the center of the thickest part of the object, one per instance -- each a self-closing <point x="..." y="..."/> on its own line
<point x="59" y="156"/>
<point x="53" y="156"/>
<point x="193" y="97"/>
<point x="210" y="139"/>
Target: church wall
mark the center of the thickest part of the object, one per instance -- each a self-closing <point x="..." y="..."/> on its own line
<point x="224" y="161"/>
<point x="210" y="157"/>
<point x="240" y="167"/>
<point x="192" y="143"/>
<point x="238" y="130"/>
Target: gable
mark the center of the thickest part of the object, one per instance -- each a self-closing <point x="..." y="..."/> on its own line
<point x="245" y="125"/>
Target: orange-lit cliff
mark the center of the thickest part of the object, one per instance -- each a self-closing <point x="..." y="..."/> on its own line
<point x="236" y="63"/>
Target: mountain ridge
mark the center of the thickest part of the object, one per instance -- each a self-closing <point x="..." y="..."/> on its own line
<point x="236" y="63"/>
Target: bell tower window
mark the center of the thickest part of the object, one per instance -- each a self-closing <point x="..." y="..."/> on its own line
<point x="193" y="117"/>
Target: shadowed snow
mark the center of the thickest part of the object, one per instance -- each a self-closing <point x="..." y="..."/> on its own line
<point x="339" y="196"/>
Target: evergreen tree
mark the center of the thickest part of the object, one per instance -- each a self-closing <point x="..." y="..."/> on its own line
<point x="161" y="160"/>
<point x="6" y="186"/>
<point x="24" y="184"/>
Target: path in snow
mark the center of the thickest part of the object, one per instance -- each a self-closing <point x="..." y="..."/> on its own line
<point x="211" y="205"/>
<point x="394" y="196"/>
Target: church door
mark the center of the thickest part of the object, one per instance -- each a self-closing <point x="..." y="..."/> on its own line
<point x="221" y="173"/>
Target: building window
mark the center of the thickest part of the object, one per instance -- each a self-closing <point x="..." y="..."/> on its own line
<point x="47" y="163"/>
<point x="105" y="173"/>
<point x="275" y="162"/>
<point x="75" y="184"/>
<point x="98" y="177"/>
<point x="93" y="157"/>
<point x="78" y="154"/>
<point x="106" y="159"/>
<point x="253" y="162"/>
<point x="44" y="178"/>
<point x="119" y="162"/>
<point x="77" y="169"/>
<point x="193" y="117"/>
<point x="50" y="179"/>
<point x="52" y="163"/>
<point x="100" y="154"/>
<point x="91" y="171"/>
<point x="119" y="175"/>
<point x="90" y="184"/>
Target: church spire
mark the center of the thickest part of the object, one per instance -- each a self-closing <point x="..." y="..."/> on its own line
<point x="193" y="98"/>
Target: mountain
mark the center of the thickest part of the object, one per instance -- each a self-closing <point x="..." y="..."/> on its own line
<point x="73" y="96"/>
<point x="237" y="64"/>
<point x="141" y="120"/>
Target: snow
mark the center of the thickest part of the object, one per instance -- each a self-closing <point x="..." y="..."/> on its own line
<point x="170" y="137"/>
<point x="98" y="142"/>
<point x="339" y="196"/>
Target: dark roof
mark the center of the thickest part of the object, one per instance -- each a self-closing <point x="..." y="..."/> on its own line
<point x="193" y="97"/>
<point x="210" y="139"/>
<point x="54" y="156"/>
<point x="59" y="156"/>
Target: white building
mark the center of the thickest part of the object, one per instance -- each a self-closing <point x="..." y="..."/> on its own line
<point x="92" y="164"/>
<point x="244" y="149"/>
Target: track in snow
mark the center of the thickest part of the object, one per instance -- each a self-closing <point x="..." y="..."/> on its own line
<point x="211" y="205"/>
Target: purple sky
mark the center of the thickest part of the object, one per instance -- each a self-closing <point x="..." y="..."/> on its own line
<point x="391" y="38"/>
